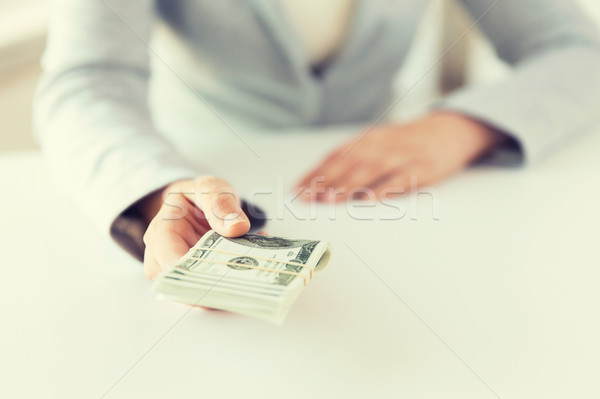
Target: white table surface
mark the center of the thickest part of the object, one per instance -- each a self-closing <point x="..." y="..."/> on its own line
<point x="498" y="298"/>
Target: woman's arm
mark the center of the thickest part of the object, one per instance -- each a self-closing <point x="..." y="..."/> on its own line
<point x="552" y="94"/>
<point x="553" y="91"/>
<point x="91" y="114"/>
<point x="95" y="127"/>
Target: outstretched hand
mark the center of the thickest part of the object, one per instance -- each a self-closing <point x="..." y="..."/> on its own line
<point x="182" y="213"/>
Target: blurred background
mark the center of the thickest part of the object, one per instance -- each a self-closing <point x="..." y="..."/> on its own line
<point x="23" y="26"/>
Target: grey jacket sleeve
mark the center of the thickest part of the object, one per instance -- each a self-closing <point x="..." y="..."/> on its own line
<point x="554" y="91"/>
<point x="91" y="114"/>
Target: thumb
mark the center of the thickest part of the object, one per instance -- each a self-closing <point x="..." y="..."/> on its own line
<point x="221" y="206"/>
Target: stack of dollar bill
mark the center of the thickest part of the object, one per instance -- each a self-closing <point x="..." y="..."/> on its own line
<point x="256" y="275"/>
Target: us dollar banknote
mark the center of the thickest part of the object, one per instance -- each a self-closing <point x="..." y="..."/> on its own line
<point x="256" y="275"/>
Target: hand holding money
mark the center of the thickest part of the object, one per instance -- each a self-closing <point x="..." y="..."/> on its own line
<point x="256" y="275"/>
<point x="180" y="214"/>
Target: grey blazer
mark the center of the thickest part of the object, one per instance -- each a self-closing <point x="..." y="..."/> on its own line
<point x="93" y="121"/>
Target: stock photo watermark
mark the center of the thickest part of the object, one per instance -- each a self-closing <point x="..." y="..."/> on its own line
<point x="412" y="202"/>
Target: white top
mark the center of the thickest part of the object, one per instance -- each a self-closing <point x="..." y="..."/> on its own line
<point x="320" y="25"/>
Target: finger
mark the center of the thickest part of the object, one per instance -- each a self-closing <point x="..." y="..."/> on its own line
<point x="172" y="247"/>
<point x="392" y="186"/>
<point x="179" y="215"/>
<point x="364" y="177"/>
<point x="401" y="182"/>
<point x="309" y="177"/>
<point x="197" y="220"/>
<point x="177" y="206"/>
<point x="167" y="239"/>
<point x="334" y="188"/>
<point x="347" y="154"/>
<point x="151" y="267"/>
<point x="329" y="172"/>
<point x="221" y="206"/>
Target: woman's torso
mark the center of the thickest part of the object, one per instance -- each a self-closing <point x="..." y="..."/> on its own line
<point x="254" y="57"/>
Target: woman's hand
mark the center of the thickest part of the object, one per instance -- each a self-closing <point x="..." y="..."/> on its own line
<point x="383" y="161"/>
<point x="181" y="213"/>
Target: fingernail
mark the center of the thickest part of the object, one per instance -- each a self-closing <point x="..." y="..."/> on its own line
<point x="232" y="218"/>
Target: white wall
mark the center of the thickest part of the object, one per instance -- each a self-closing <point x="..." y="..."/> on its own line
<point x="22" y="36"/>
